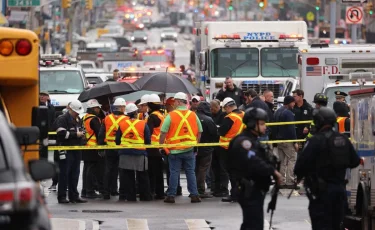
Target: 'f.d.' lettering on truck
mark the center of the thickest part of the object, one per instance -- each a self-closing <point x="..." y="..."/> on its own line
<point x="327" y="70"/>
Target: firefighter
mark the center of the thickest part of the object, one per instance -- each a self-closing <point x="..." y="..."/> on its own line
<point x="91" y="158"/>
<point x="251" y="167"/>
<point x="107" y="136"/>
<point x="133" y="162"/>
<point x="323" y="163"/>
<point x="231" y="127"/>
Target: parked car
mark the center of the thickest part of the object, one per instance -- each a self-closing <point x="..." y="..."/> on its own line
<point x="168" y="34"/>
<point x="97" y="78"/>
<point x="161" y="23"/>
<point x="80" y="40"/>
<point x="139" y="36"/>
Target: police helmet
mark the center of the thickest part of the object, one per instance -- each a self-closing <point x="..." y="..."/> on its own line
<point x="324" y="116"/>
<point x="252" y="116"/>
<point x="321" y="99"/>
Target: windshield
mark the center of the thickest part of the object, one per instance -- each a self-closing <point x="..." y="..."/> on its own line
<point x="279" y="62"/>
<point x="169" y="31"/>
<point x="324" y="33"/>
<point x="87" y="66"/>
<point x="330" y="92"/>
<point x="238" y="62"/>
<point x="94" y="80"/>
<point x="139" y="33"/>
<point x="61" y="81"/>
<point x="155" y="58"/>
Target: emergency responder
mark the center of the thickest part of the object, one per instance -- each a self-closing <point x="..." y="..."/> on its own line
<point x="302" y="112"/>
<point x="116" y="75"/>
<point x="143" y="109"/>
<point x="322" y="164"/>
<point x="320" y="100"/>
<point x="107" y="136"/>
<point x="181" y="126"/>
<point x="133" y="162"/>
<point x="252" y="167"/>
<point x="340" y="96"/>
<point x="195" y="100"/>
<point x="69" y="133"/>
<point x="91" y="158"/>
<point x="169" y="104"/>
<point x="231" y="127"/>
<point x="343" y="120"/>
<point x="155" y="159"/>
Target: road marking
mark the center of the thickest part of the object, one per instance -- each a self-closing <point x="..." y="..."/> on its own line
<point x="308" y="222"/>
<point x="63" y="224"/>
<point x="137" y="224"/>
<point x="267" y="225"/>
<point x="95" y="225"/>
<point x="197" y="224"/>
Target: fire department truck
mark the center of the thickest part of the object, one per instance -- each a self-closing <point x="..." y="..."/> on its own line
<point x="361" y="193"/>
<point x="258" y="55"/>
<point x="158" y="58"/>
<point x="132" y="74"/>
<point x="329" y="68"/>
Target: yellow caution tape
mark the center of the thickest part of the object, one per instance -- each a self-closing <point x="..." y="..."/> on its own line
<point x="105" y="147"/>
<point x="268" y="124"/>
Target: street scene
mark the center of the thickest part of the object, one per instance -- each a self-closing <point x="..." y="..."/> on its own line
<point x="187" y="114"/>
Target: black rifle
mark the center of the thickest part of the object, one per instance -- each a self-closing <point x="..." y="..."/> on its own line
<point x="274" y="194"/>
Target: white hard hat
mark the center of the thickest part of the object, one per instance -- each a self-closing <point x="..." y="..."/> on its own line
<point x="228" y="101"/>
<point x="154" y="98"/>
<point x="130" y="108"/>
<point x="198" y="98"/>
<point x="181" y="96"/>
<point x="144" y="99"/>
<point x="119" y="102"/>
<point x="76" y="106"/>
<point x="93" y="103"/>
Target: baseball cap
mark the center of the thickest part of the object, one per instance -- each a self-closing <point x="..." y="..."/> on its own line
<point x="198" y="98"/>
<point x="288" y="99"/>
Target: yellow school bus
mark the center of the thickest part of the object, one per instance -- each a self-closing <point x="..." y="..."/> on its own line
<point x="19" y="89"/>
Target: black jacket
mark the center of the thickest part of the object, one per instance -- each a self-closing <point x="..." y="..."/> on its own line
<point x="236" y="94"/>
<point x="302" y="113"/>
<point x="219" y="117"/>
<point x="209" y="134"/>
<point x="250" y="164"/>
<point x="258" y="103"/>
<point x="92" y="155"/>
<point x="66" y="130"/>
<point x="284" y="132"/>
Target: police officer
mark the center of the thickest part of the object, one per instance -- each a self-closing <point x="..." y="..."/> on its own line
<point x="320" y="100"/>
<point x="251" y="166"/>
<point x="323" y="163"/>
<point x="68" y="133"/>
<point x="343" y="119"/>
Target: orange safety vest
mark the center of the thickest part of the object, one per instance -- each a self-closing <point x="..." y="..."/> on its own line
<point x="155" y="137"/>
<point x="141" y="116"/>
<point x="90" y="134"/>
<point x="133" y="132"/>
<point x="236" y="128"/>
<point x="341" y="124"/>
<point x="183" y="129"/>
<point x="111" y="122"/>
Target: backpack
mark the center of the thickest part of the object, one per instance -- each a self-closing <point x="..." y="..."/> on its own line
<point x="336" y="145"/>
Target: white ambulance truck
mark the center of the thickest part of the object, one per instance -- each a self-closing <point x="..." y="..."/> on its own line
<point x="360" y="189"/>
<point x="327" y="68"/>
<point x="258" y="55"/>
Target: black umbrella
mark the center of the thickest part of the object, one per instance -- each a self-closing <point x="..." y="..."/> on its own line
<point x="108" y="88"/>
<point x="167" y="83"/>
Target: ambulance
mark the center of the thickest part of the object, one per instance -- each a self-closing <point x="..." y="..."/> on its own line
<point x="258" y="55"/>
<point x="361" y="193"/>
<point x="327" y="68"/>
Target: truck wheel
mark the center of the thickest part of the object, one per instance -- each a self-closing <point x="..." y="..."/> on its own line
<point x="362" y="204"/>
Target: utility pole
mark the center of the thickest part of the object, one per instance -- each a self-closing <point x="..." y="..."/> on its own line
<point x="332" y="31"/>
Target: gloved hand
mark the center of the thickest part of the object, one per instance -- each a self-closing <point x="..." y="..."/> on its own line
<point x="101" y="153"/>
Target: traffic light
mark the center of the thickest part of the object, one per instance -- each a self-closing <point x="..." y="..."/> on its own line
<point x="262" y="4"/>
<point x="370" y="8"/>
<point x="230" y="7"/>
<point x="318" y="4"/>
<point x="89" y="4"/>
<point x="281" y="4"/>
<point x="66" y="4"/>
<point x="211" y="4"/>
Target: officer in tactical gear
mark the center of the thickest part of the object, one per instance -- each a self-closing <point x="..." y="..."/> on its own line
<point x="320" y="100"/>
<point x="323" y="163"/>
<point x="251" y="167"/>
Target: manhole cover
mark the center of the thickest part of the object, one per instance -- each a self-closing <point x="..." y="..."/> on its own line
<point x="100" y="211"/>
<point x="73" y="210"/>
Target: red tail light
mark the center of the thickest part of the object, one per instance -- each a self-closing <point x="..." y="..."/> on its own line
<point x="26" y="194"/>
<point x="6" y="196"/>
<point x="206" y="31"/>
<point x="99" y="55"/>
<point x="23" y="47"/>
<point x="64" y="60"/>
<point x="312" y="61"/>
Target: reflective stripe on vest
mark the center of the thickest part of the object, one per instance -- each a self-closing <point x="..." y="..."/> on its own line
<point x="236" y="128"/>
<point x="183" y="129"/>
<point x="341" y="124"/>
<point x="111" y="126"/>
<point x="133" y="132"/>
<point x="90" y="134"/>
<point x="155" y="137"/>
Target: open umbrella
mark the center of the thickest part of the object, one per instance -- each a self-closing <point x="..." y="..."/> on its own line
<point x="108" y="88"/>
<point x="167" y="83"/>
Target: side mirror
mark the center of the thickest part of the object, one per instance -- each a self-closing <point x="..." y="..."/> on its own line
<point x="42" y="170"/>
<point x="202" y="61"/>
<point x="27" y="135"/>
